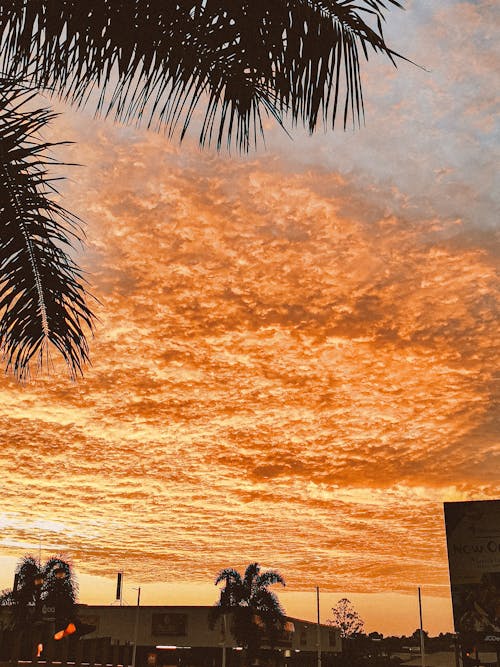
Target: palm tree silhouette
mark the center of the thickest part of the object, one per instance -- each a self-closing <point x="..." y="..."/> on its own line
<point x="255" y="610"/>
<point x="157" y="62"/>
<point x="37" y="584"/>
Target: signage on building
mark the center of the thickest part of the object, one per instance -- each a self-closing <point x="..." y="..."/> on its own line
<point x="169" y="625"/>
<point x="48" y="613"/>
<point x="473" y="541"/>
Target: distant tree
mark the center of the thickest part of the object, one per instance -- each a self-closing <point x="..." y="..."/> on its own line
<point x="346" y="618"/>
<point x="416" y="635"/>
<point x="255" y="610"/>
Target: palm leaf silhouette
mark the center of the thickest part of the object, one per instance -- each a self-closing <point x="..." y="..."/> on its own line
<point x="217" y="63"/>
<point x="42" y="297"/>
<point x="163" y="59"/>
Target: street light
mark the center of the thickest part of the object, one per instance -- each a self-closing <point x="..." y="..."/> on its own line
<point x="136" y="626"/>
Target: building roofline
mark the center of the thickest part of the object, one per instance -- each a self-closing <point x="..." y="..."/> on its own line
<point x="190" y="606"/>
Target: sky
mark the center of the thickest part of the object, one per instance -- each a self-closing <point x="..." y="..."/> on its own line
<point x="296" y="358"/>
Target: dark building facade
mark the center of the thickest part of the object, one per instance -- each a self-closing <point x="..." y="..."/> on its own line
<point x="182" y="636"/>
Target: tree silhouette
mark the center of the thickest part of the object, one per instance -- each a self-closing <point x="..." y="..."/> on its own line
<point x="346" y="618"/>
<point x="157" y="62"/>
<point x="255" y="611"/>
<point x="51" y="583"/>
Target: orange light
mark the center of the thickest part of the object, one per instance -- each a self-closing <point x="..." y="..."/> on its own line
<point x="39" y="650"/>
<point x="68" y="630"/>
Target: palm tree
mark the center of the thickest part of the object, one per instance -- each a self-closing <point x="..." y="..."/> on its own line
<point x="255" y="610"/>
<point x="51" y="584"/>
<point x="156" y="61"/>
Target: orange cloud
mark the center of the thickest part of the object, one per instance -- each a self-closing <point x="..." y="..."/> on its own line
<point x="297" y="356"/>
<point x="284" y="371"/>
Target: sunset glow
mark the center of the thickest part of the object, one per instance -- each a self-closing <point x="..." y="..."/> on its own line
<point x="296" y="359"/>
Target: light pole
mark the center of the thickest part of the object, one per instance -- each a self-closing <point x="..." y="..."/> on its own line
<point x="319" y="627"/>
<point x="224" y="631"/>
<point x="422" y="643"/>
<point x="136" y="626"/>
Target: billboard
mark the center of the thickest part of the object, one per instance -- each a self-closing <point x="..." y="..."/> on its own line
<point x="473" y="541"/>
<point x="169" y="625"/>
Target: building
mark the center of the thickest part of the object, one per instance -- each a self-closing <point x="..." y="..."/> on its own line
<point x="181" y="635"/>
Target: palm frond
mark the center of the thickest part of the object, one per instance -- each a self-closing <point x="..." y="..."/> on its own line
<point x="268" y="605"/>
<point x="27" y="568"/>
<point x="250" y="577"/>
<point x="6" y="598"/>
<point x="42" y="293"/>
<point x="268" y="578"/>
<point x="228" y="575"/>
<point x="164" y="60"/>
<point x="68" y="585"/>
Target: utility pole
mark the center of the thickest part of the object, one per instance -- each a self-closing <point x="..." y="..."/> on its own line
<point x="457" y="653"/>
<point x="422" y="644"/>
<point x="224" y="621"/>
<point x="319" y="627"/>
<point x="136" y="627"/>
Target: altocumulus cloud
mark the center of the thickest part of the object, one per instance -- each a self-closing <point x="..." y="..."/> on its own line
<point x="295" y="361"/>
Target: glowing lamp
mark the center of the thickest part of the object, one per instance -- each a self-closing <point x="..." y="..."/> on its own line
<point x="68" y="630"/>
